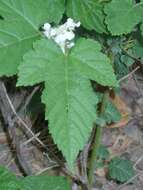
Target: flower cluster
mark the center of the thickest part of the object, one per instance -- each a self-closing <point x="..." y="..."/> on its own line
<point x="63" y="35"/>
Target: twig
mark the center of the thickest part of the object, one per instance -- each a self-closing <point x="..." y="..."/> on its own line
<point x="31" y="139"/>
<point x="137" y="85"/>
<point x="128" y="75"/>
<point x="8" y="113"/>
<point x="29" y="98"/>
<point x="11" y="118"/>
<point x="18" y="118"/>
<point x="138" y="161"/>
<point x="46" y="169"/>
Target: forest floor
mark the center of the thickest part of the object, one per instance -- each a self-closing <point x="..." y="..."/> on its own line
<point x="124" y="139"/>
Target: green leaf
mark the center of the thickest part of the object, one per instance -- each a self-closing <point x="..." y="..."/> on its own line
<point x="99" y="164"/>
<point x="111" y="113"/>
<point x="71" y="118"/>
<point x="55" y="10"/>
<point x="120" y="67"/>
<point x="122" y="17"/>
<point x="20" y="28"/>
<point x="103" y="152"/>
<point x="45" y="183"/>
<point x="88" y="12"/>
<point x="68" y="95"/>
<point x="90" y="62"/>
<point x="125" y="59"/>
<point x="8" y="180"/>
<point x="141" y="27"/>
<point x="120" y="169"/>
<point x="137" y="49"/>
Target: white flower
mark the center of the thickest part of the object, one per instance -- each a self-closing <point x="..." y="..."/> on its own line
<point x="47" y="30"/>
<point x="62" y="35"/>
<point x="47" y="27"/>
<point x="69" y="35"/>
<point x="60" y="39"/>
<point x="53" y="32"/>
<point x="70" y="45"/>
<point x="71" y="25"/>
<point x="47" y="34"/>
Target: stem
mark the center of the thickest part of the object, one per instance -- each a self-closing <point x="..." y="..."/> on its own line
<point x="96" y="143"/>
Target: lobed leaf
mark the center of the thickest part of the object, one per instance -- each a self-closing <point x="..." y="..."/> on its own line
<point x="88" y="12"/>
<point x="122" y="17"/>
<point x="111" y="114"/>
<point x="19" y="28"/>
<point x="103" y="153"/>
<point x="68" y="95"/>
<point x="90" y="62"/>
<point x="45" y="182"/>
<point x="141" y="27"/>
<point x="120" y="169"/>
<point x="8" y="181"/>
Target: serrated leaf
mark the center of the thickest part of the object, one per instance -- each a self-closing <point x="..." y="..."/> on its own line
<point x="90" y="62"/>
<point x="55" y="10"/>
<point x="68" y="97"/>
<point x="71" y="118"/>
<point x="122" y="17"/>
<point x="137" y="49"/>
<point x="70" y="101"/>
<point x="141" y="27"/>
<point x="88" y="12"/>
<point x="111" y="113"/>
<point x="20" y="28"/>
<point x="103" y="152"/>
<point x="127" y="60"/>
<point x="45" y="183"/>
<point x="121" y="170"/>
<point x="8" y="181"/>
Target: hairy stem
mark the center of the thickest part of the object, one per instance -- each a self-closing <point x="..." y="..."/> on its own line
<point x="96" y="143"/>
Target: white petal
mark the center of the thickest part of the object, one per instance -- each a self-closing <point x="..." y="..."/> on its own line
<point x="69" y="35"/>
<point x="70" y="21"/>
<point x="60" y="38"/>
<point x="70" y="45"/>
<point x="78" y="24"/>
<point x="53" y="32"/>
<point x="71" y="24"/>
<point x="47" y="34"/>
<point x="61" y="29"/>
<point x="47" y="27"/>
<point x="61" y="44"/>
